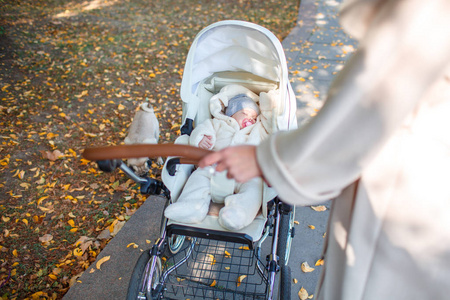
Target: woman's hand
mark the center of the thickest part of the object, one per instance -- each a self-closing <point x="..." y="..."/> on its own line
<point x="206" y="142"/>
<point x="239" y="161"/>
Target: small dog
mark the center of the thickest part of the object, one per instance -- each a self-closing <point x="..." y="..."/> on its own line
<point x="143" y="130"/>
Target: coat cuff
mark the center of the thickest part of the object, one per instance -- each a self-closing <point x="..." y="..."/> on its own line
<point x="279" y="177"/>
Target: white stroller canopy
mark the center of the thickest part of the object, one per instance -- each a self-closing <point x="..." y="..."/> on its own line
<point x="233" y="46"/>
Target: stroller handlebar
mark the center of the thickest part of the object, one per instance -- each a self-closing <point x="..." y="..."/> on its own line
<point x="187" y="153"/>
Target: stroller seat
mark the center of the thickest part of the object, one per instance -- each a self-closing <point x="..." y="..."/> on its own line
<point x="210" y="225"/>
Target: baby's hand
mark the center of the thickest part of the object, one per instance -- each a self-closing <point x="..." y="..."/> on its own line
<point x="206" y="142"/>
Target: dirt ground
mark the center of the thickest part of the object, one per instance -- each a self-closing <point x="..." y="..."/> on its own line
<point x="72" y="74"/>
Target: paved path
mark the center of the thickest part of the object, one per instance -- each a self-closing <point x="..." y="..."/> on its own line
<point x="316" y="49"/>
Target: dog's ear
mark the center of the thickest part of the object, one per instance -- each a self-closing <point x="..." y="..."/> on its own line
<point x="146" y="107"/>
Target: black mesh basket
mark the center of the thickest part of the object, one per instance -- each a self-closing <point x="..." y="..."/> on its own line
<point x="215" y="270"/>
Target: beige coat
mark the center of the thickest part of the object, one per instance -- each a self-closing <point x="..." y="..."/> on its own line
<point x="381" y="147"/>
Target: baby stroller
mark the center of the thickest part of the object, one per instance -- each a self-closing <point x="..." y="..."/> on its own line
<point x="206" y="261"/>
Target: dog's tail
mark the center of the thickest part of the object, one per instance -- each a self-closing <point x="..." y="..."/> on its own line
<point x="147" y="107"/>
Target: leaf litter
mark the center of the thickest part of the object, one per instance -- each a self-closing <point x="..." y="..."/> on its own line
<point x="71" y="77"/>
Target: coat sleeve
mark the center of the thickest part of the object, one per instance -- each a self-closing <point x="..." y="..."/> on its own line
<point x="208" y="127"/>
<point x="404" y="50"/>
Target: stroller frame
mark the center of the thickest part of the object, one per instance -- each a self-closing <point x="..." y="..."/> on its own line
<point x="201" y="262"/>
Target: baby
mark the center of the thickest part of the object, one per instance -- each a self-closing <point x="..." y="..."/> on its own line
<point x="241" y="108"/>
<point x="238" y="125"/>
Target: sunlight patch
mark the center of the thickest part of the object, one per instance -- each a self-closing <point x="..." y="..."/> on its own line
<point x="85" y="6"/>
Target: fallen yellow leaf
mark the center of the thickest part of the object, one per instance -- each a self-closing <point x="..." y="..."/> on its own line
<point x="39" y="201"/>
<point x="319" y="262"/>
<point x="84" y="161"/>
<point x="111" y="227"/>
<point x="38" y="295"/>
<point x="46" y="238"/>
<point x="25" y="185"/>
<point x="240" y="278"/>
<point x="71" y="223"/>
<point x="244" y="248"/>
<point x="52" y="276"/>
<point x="303" y="294"/>
<point x="306" y="268"/>
<point x="312" y="227"/>
<point x="83" y="93"/>
<point x="213" y="283"/>
<point x="319" y="208"/>
<point x="227" y="254"/>
<point x="295" y="280"/>
<point x="56" y="271"/>
<point x="77" y="252"/>
<point x="101" y="261"/>
<point x="213" y="261"/>
<point x="51" y="135"/>
<point x="45" y="208"/>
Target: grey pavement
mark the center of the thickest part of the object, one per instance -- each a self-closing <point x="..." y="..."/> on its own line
<point x="316" y="50"/>
<point x="111" y="280"/>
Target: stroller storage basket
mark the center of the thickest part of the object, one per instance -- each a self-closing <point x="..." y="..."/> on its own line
<point x="216" y="270"/>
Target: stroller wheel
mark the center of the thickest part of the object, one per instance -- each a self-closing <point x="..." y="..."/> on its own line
<point x="285" y="236"/>
<point x="175" y="243"/>
<point x="138" y="286"/>
<point x="285" y="283"/>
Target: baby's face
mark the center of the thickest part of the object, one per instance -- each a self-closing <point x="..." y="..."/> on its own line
<point x="245" y="117"/>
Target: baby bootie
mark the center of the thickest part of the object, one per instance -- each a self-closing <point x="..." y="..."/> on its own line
<point x="192" y="211"/>
<point x="234" y="218"/>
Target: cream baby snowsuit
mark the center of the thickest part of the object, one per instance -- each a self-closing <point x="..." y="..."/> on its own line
<point x="244" y="200"/>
